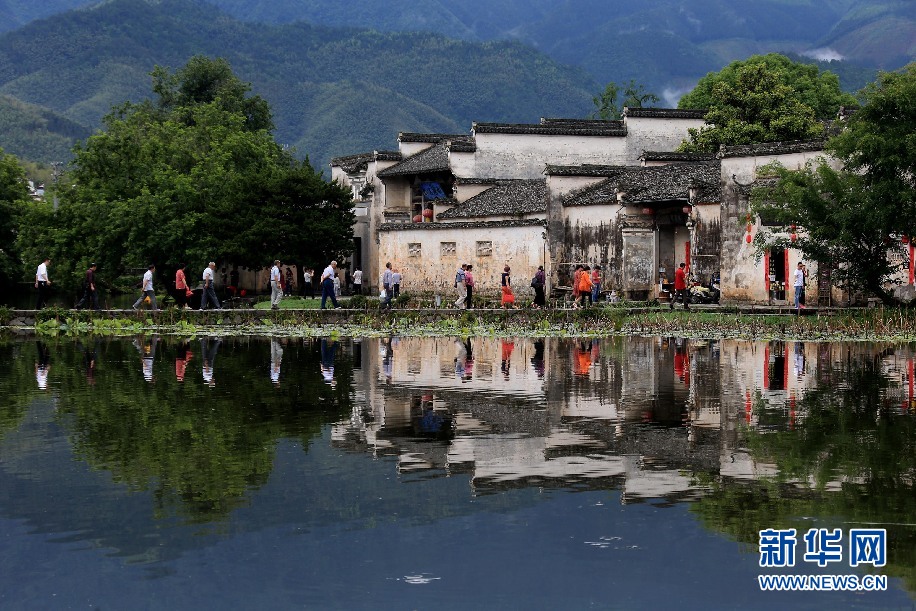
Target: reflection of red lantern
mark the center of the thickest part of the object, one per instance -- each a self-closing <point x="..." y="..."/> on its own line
<point x="687" y="209"/>
<point x="749" y="227"/>
<point x="648" y="211"/>
<point x="793" y="227"/>
<point x="905" y="239"/>
<point x="748" y="238"/>
<point x="748" y="218"/>
<point x="428" y="213"/>
<point x="794" y="237"/>
<point x="418" y="219"/>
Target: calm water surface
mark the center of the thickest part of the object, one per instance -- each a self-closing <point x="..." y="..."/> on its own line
<point x="445" y="473"/>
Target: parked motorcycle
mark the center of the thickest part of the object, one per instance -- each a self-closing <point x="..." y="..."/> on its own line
<point x="703" y="293"/>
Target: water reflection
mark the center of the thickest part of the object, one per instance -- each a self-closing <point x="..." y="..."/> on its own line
<point x="753" y="435"/>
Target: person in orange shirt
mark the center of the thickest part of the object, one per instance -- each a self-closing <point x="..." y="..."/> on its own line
<point x="182" y="290"/>
<point x="575" y="284"/>
<point x="585" y="285"/>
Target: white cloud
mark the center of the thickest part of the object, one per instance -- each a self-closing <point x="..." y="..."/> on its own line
<point x="824" y="54"/>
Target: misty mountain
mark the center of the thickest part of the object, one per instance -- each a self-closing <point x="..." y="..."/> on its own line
<point x="333" y="91"/>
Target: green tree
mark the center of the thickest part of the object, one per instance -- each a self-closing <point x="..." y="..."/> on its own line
<point x="634" y="96"/>
<point x="757" y="106"/>
<point x="816" y="89"/>
<point x="854" y="208"/>
<point x="193" y="175"/>
<point x="14" y="194"/>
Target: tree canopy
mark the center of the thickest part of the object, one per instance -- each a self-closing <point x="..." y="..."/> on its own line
<point x="191" y="176"/>
<point x="634" y="96"/>
<point x="766" y="98"/>
<point x="856" y="209"/>
<point x="13" y="194"/>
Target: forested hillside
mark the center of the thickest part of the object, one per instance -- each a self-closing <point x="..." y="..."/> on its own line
<point x="665" y="44"/>
<point x="332" y="91"/>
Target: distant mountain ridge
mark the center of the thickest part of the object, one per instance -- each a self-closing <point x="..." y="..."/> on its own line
<point x="333" y="91"/>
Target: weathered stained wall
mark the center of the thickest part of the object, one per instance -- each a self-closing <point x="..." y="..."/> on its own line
<point x="522" y="247"/>
<point x="743" y="272"/>
<point x="591" y="235"/>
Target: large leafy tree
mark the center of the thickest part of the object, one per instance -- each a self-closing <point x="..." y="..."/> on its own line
<point x="766" y="98"/>
<point x="192" y="175"/>
<point x="855" y="209"/>
<point x="14" y="193"/>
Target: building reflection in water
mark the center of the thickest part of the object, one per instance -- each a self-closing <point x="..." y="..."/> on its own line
<point x="641" y="414"/>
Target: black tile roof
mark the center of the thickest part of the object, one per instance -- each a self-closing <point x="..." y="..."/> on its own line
<point x="360" y="161"/>
<point x="653" y="184"/>
<point x="462" y="225"/>
<point x="505" y="198"/>
<point x="427" y="161"/>
<point x="673" y="157"/>
<point x="586" y="169"/>
<point x="595" y="123"/>
<point x="430" y="138"/>
<point x="665" y="113"/>
<point x="462" y="146"/>
<point x="578" y="128"/>
<point x="771" y="148"/>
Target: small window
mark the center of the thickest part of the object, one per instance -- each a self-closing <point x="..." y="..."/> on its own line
<point x="484" y="249"/>
<point x="414" y="249"/>
<point x="448" y="249"/>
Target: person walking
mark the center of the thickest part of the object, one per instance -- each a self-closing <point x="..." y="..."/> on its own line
<point x="182" y="290"/>
<point x="596" y="283"/>
<point x="508" y="298"/>
<point x="585" y="286"/>
<point x="387" y="286"/>
<point x="460" y="287"/>
<point x="307" y="290"/>
<point x="42" y="283"/>
<point x="90" y="294"/>
<point x="469" y="283"/>
<point x="276" y="292"/>
<point x="358" y="282"/>
<point x="288" y="289"/>
<point x="538" y="283"/>
<point x="327" y="285"/>
<point x="209" y="293"/>
<point x="148" y="294"/>
<point x="575" y="285"/>
<point x="396" y="282"/>
<point x="680" y="287"/>
<point x="799" y="274"/>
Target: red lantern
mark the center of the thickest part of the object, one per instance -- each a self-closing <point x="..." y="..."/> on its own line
<point x="687" y="209"/>
<point x="748" y="238"/>
<point x="648" y="211"/>
<point x="905" y="239"/>
<point x="794" y="236"/>
<point x="748" y="217"/>
<point x="242" y="292"/>
<point x="428" y="213"/>
<point x="793" y="227"/>
<point x="418" y="219"/>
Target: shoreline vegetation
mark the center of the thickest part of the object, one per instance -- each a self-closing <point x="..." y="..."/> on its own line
<point x="873" y="324"/>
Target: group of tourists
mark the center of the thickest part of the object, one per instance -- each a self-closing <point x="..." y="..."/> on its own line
<point x="391" y="285"/>
<point x="586" y="285"/>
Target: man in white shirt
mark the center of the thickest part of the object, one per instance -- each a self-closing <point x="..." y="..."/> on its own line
<point x="276" y="293"/>
<point x="800" y="273"/>
<point x="42" y="283"/>
<point x="358" y="282"/>
<point x="327" y="285"/>
<point x="147" y="289"/>
<point x="209" y="293"/>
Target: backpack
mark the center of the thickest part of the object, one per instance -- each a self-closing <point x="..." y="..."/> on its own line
<point x="459" y="277"/>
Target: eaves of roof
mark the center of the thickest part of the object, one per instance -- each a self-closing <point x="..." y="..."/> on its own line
<point x="770" y="148"/>
<point x="664" y="113"/>
<point x="551" y="129"/>
<point x="505" y="198"/>
<point x="427" y="161"/>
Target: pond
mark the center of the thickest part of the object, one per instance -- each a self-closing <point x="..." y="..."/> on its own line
<point x="447" y="472"/>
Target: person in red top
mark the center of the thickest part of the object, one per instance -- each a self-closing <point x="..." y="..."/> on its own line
<point x="182" y="290"/>
<point x="680" y="287"/>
